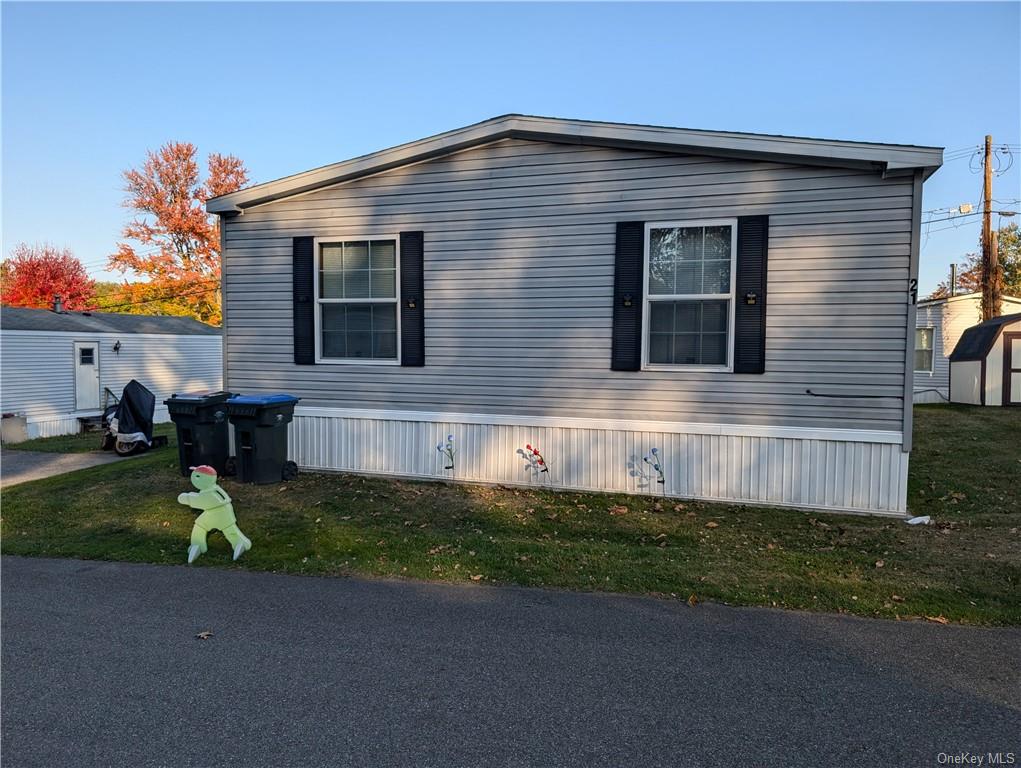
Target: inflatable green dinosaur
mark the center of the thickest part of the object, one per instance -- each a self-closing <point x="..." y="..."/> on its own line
<point x="217" y="514"/>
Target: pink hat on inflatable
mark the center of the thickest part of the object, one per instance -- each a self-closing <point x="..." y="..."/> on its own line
<point x="205" y="469"/>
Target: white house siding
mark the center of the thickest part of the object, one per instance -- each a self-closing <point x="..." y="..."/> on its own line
<point x="519" y="260"/>
<point x="38" y="372"/>
<point x="949" y="318"/>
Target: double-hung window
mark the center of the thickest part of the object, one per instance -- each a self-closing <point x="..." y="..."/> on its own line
<point x="923" y="350"/>
<point x="356" y="300"/>
<point x="689" y="294"/>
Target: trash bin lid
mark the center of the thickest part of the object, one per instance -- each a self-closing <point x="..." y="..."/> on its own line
<point x="199" y="397"/>
<point x="278" y="399"/>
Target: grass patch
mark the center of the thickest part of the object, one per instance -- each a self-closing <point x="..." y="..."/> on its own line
<point x="84" y="442"/>
<point x="965" y="472"/>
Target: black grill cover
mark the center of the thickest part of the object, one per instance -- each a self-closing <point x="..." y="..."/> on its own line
<point x="135" y="410"/>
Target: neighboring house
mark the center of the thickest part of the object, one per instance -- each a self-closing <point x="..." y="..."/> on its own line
<point x="596" y="290"/>
<point x="56" y="365"/>
<point x="939" y="324"/>
<point x="985" y="366"/>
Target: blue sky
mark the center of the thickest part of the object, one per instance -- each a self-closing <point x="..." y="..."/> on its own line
<point x="88" y="88"/>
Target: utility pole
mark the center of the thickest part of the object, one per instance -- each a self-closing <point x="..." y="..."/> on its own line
<point x="991" y="290"/>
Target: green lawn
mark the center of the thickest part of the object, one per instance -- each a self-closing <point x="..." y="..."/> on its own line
<point x="80" y="443"/>
<point x="966" y="472"/>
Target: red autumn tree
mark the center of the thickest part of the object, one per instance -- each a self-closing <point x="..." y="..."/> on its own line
<point x="178" y="244"/>
<point x="33" y="274"/>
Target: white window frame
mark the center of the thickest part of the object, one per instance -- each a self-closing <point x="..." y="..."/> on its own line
<point x="317" y="253"/>
<point x="932" y="349"/>
<point x="647" y="300"/>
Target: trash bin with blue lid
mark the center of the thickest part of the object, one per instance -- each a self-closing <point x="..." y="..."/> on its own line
<point x="202" y="430"/>
<point x="260" y="437"/>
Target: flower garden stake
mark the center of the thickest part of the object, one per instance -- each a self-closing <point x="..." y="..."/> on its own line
<point x="657" y="465"/>
<point x="535" y="462"/>
<point x="447" y="451"/>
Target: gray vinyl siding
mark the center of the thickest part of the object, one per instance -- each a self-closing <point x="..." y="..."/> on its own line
<point x="519" y="254"/>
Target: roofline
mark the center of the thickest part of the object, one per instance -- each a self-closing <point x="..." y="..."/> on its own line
<point x="972" y="295"/>
<point x="889" y="159"/>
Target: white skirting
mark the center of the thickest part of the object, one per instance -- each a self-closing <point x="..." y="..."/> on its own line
<point x="855" y="471"/>
<point x="68" y="424"/>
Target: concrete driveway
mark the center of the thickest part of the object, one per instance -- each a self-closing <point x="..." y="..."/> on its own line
<point x="21" y="466"/>
<point x="102" y="667"/>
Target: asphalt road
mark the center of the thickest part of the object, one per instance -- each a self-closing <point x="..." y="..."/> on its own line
<point x="101" y="667"/>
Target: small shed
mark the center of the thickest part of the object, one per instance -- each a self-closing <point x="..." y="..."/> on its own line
<point x="56" y="365"/>
<point x="985" y="366"/>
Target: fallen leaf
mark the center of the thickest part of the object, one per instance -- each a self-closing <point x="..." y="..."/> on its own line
<point x="938" y="619"/>
<point x="880" y="563"/>
<point x="678" y="507"/>
<point x="712" y="524"/>
<point x="204" y="635"/>
<point x="897" y="598"/>
<point x="692" y="600"/>
<point x="477" y="577"/>
<point x="618" y="509"/>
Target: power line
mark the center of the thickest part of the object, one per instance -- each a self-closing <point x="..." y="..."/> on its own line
<point x="166" y="297"/>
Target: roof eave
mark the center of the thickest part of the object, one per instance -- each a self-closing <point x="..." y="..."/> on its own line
<point x="891" y="160"/>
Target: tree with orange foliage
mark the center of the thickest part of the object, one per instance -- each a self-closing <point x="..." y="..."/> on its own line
<point x="34" y="274"/>
<point x="178" y="243"/>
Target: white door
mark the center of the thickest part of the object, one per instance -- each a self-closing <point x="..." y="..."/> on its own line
<point x="86" y="375"/>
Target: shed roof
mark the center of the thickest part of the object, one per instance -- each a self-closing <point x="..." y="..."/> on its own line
<point x="890" y="159"/>
<point x="20" y="319"/>
<point x="976" y="341"/>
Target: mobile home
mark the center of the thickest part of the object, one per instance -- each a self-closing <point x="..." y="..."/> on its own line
<point x="742" y="303"/>
<point x="56" y="366"/>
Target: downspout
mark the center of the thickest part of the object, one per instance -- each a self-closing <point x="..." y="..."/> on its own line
<point x="912" y="297"/>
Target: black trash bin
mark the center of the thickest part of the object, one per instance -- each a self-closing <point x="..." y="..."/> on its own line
<point x="260" y="437"/>
<point x="202" y="430"/>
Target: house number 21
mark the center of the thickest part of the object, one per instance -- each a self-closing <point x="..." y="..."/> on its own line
<point x="913" y="290"/>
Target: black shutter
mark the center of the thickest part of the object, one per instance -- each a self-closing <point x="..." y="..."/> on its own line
<point x="412" y="299"/>
<point x="303" y="271"/>
<point x="627" y="297"/>
<point x="750" y="295"/>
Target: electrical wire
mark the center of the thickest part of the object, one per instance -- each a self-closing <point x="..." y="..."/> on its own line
<point x="166" y="297"/>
